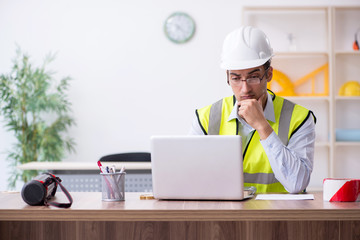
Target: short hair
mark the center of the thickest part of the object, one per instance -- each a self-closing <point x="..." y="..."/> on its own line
<point x="267" y="64"/>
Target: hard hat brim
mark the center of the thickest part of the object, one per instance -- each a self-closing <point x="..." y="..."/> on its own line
<point x="244" y="64"/>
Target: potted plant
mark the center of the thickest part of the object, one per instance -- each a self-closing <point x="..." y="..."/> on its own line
<point x="36" y="109"/>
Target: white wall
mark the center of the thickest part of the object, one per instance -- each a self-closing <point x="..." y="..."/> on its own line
<point x="129" y="81"/>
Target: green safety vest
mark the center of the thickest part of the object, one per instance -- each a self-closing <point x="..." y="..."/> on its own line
<point x="289" y="117"/>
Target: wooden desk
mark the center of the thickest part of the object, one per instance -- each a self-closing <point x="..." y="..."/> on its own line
<point x="90" y="218"/>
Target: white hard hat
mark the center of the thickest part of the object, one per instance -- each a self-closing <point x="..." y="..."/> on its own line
<point x="244" y="48"/>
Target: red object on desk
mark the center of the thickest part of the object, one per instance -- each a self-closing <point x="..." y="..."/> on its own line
<point x="349" y="192"/>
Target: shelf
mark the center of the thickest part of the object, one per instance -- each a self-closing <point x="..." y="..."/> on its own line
<point x="299" y="53"/>
<point x="355" y="53"/>
<point x="282" y="8"/>
<point x="315" y="98"/>
<point x="316" y="57"/>
<point x="341" y="98"/>
<point x="276" y="25"/>
<point x="346" y="21"/>
<point x="346" y="69"/>
<point x="347" y="144"/>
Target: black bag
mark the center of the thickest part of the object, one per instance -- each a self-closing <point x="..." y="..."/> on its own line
<point x="42" y="188"/>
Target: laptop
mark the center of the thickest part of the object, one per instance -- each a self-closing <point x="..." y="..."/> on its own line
<point x="198" y="168"/>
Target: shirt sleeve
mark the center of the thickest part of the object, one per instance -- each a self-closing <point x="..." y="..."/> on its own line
<point x="292" y="164"/>
<point x="195" y="127"/>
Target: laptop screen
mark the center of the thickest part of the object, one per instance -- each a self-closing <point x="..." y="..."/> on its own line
<point x="197" y="167"/>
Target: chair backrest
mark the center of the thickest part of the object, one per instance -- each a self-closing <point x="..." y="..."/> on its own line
<point x="127" y="157"/>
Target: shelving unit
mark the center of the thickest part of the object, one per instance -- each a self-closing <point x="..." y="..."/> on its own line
<point x="346" y="22"/>
<point x="305" y="39"/>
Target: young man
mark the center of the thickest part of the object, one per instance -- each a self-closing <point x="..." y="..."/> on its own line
<point x="278" y="135"/>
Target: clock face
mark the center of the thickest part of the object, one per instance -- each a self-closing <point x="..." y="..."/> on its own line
<point x="179" y="27"/>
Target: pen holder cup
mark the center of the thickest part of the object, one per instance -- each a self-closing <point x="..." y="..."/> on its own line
<point x="113" y="186"/>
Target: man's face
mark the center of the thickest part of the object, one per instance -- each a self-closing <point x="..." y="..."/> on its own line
<point x="254" y="87"/>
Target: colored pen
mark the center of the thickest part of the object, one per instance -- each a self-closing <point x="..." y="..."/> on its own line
<point x="103" y="170"/>
<point x="100" y="166"/>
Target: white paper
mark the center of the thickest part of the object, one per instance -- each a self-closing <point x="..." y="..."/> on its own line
<point x="285" y="197"/>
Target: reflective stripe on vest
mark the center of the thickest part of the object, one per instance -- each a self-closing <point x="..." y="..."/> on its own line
<point x="215" y="118"/>
<point x="260" y="178"/>
<point x="284" y="122"/>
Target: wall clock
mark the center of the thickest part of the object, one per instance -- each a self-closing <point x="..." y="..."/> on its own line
<point x="179" y="27"/>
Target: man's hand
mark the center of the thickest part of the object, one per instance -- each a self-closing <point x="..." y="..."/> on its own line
<point x="251" y="110"/>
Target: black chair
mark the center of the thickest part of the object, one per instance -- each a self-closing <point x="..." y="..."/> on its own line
<point x="127" y="157"/>
<point x="139" y="180"/>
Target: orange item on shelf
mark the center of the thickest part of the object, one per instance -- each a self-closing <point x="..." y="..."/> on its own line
<point x="289" y="87"/>
<point x="312" y="77"/>
<point x="284" y="82"/>
<point x="351" y="88"/>
<point x="356" y="45"/>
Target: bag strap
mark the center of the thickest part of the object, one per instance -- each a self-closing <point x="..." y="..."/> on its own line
<point x="57" y="204"/>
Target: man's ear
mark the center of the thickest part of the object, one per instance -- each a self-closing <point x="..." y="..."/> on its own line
<point x="227" y="77"/>
<point x="269" y="74"/>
